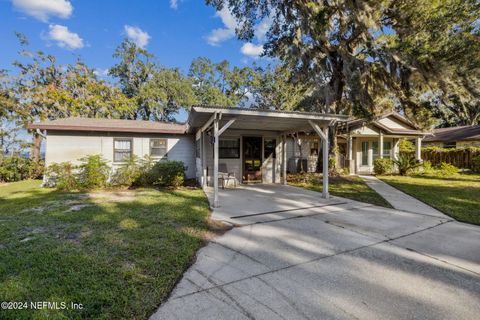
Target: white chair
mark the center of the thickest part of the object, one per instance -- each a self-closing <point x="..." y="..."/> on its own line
<point x="224" y="176"/>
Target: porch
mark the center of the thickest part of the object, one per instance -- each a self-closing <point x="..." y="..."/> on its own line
<point x="251" y="144"/>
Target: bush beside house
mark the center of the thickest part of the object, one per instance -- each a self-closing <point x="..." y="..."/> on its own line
<point x="15" y="168"/>
<point x="95" y="173"/>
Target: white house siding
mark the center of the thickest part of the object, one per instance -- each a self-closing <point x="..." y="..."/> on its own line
<point x="63" y="146"/>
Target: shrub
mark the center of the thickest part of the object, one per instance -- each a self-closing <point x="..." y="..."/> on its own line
<point x="146" y="177"/>
<point x="427" y="167"/>
<point x="405" y="164"/>
<point x="93" y="172"/>
<point x="128" y="173"/>
<point x="16" y="168"/>
<point x="406" y="146"/>
<point x="62" y="176"/>
<point x="447" y="169"/>
<point x="476" y="164"/>
<point x="383" y="166"/>
<point x="168" y="173"/>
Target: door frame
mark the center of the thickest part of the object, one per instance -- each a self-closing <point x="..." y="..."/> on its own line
<point x="243" y="157"/>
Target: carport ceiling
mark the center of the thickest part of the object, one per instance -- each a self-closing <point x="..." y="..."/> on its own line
<point x="252" y="119"/>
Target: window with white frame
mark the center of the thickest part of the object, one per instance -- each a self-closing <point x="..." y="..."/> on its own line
<point x="229" y="149"/>
<point x="122" y="149"/>
<point x="158" y="147"/>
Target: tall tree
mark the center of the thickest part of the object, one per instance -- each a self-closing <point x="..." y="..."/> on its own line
<point x="133" y="70"/>
<point x="361" y="52"/>
<point x="45" y="90"/>
<point x="164" y="94"/>
<point x="218" y="84"/>
<point x="274" y="88"/>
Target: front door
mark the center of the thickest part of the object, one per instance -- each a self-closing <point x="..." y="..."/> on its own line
<point x="252" y="159"/>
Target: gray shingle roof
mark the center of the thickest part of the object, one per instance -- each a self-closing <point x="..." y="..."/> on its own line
<point x="454" y="134"/>
<point x="109" y="125"/>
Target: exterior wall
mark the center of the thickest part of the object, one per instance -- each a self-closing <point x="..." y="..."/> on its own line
<point x="294" y="151"/>
<point x="271" y="168"/>
<point x="62" y="146"/>
<point x="391" y="122"/>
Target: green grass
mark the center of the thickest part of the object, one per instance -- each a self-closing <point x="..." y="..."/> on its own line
<point x="347" y="186"/>
<point x="119" y="255"/>
<point x="457" y="196"/>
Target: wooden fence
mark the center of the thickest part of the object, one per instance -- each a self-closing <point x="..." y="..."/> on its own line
<point x="460" y="158"/>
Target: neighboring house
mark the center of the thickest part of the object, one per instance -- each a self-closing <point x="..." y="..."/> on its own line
<point x="360" y="142"/>
<point x="455" y="137"/>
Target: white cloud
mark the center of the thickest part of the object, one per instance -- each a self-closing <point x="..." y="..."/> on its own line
<point x="99" y="72"/>
<point x="219" y="35"/>
<point x="174" y="4"/>
<point x="64" y="37"/>
<point x="262" y="28"/>
<point x="137" y="35"/>
<point x="252" y="50"/>
<point x="43" y="9"/>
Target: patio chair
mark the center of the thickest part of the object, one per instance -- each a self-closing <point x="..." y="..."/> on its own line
<point x="224" y="176"/>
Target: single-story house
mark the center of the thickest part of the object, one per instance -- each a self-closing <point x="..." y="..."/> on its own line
<point x="250" y="143"/>
<point x="255" y="145"/>
<point x="360" y="142"/>
<point x="455" y="137"/>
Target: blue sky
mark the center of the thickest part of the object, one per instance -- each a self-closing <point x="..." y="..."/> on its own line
<point x="175" y="31"/>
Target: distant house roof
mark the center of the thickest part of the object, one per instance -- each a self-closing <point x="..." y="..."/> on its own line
<point x="410" y="128"/>
<point x="454" y="134"/>
<point x="109" y="125"/>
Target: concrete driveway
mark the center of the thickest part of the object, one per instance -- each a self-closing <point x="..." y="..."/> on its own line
<point x="335" y="259"/>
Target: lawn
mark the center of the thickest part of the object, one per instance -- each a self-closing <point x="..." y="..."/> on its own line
<point x="350" y="187"/>
<point x="118" y="254"/>
<point x="457" y="196"/>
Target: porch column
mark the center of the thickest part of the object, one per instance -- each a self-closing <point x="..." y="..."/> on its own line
<point x="325" y="193"/>
<point x="284" y="158"/>
<point x="418" y="149"/>
<point x="350" y="148"/>
<point x="204" y="159"/>
<point x="215" y="163"/>
<point x="323" y="134"/>
<point x="380" y="145"/>
<point x="396" y="151"/>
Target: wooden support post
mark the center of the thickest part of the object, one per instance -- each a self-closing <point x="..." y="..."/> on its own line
<point x="215" y="162"/>
<point x="350" y="147"/>
<point x="380" y="146"/>
<point x="284" y="158"/>
<point x="418" y="149"/>
<point x="325" y="193"/>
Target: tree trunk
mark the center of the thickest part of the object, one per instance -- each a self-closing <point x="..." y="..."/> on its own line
<point x="36" y="144"/>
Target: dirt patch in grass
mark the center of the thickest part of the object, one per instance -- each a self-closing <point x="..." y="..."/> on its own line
<point x="216" y="228"/>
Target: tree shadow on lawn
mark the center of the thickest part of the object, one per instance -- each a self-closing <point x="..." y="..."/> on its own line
<point x="118" y="259"/>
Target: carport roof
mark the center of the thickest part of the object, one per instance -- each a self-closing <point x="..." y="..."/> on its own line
<point x="260" y="119"/>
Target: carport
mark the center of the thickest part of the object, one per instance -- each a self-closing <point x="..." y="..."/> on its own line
<point x="209" y="124"/>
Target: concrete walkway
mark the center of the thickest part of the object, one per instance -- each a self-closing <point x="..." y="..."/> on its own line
<point x="398" y="199"/>
<point x="330" y="260"/>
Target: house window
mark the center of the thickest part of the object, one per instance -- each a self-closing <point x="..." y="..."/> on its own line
<point x="229" y="148"/>
<point x="269" y="148"/>
<point x="450" y="145"/>
<point x="387" y="148"/>
<point x="158" y="147"/>
<point x="314" y="148"/>
<point x="375" y="153"/>
<point x="122" y="149"/>
<point x="365" y="153"/>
